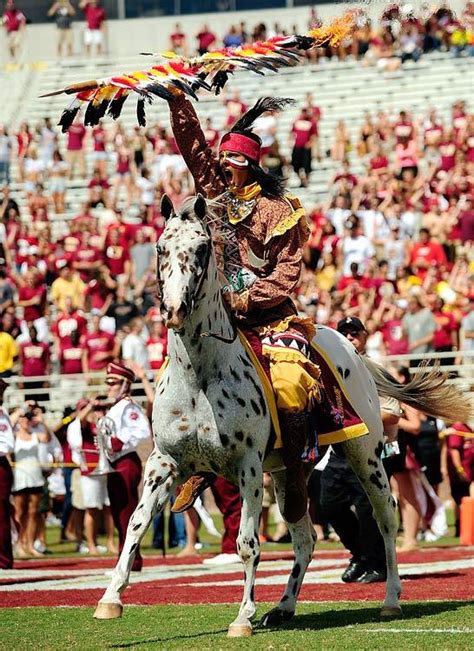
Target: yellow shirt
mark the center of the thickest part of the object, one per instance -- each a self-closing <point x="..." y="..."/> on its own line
<point x="61" y="289"/>
<point x="8" y="351"/>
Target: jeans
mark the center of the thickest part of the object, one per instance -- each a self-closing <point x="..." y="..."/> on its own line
<point x="176" y="530"/>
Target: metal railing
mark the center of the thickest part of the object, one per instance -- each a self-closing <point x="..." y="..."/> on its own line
<point x="65" y="390"/>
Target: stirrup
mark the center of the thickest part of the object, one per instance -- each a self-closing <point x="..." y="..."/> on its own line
<point x="191" y="490"/>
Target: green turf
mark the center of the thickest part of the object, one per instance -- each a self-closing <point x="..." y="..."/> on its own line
<point x="325" y="626"/>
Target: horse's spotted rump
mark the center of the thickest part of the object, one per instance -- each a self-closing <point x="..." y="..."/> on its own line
<point x="371" y="462"/>
<point x="255" y="407"/>
<point x="239" y="435"/>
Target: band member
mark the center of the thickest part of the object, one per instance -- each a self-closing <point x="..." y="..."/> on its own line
<point x="259" y="243"/>
<point x="81" y="436"/>
<point x="130" y="427"/>
<point x="7" y="443"/>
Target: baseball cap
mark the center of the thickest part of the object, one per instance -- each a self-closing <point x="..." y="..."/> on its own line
<point x="350" y="324"/>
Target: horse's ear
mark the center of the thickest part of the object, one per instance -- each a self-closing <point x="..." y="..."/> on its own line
<point x="167" y="208"/>
<point x="200" y="207"/>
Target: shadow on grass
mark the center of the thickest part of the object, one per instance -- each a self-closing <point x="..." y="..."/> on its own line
<point x="329" y="619"/>
<point x="345" y="617"/>
<point x="173" y="638"/>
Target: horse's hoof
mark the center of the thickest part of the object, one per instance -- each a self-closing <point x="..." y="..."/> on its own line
<point x="239" y="630"/>
<point x="276" y="617"/>
<point x="108" y="611"/>
<point x="390" y="611"/>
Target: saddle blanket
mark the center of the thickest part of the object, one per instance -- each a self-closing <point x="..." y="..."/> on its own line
<point x="335" y="421"/>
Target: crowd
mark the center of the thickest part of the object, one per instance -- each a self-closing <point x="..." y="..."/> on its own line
<point x="391" y="246"/>
<point x="399" y="35"/>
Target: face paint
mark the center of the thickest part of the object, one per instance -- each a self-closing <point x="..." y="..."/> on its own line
<point x="227" y="158"/>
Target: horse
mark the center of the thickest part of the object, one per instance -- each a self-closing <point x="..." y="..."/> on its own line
<point x="211" y="415"/>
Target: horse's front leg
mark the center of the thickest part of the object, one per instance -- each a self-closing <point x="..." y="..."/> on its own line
<point x="303" y="538"/>
<point x="248" y="547"/>
<point x="159" y="477"/>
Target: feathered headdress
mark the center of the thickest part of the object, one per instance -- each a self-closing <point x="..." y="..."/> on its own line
<point x="208" y="72"/>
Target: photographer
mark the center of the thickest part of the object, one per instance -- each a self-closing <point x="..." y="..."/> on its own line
<point x="31" y="439"/>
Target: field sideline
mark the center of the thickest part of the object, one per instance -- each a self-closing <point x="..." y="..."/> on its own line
<point x="331" y="625"/>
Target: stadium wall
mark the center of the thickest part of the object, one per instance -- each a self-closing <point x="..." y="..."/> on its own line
<point x="131" y="36"/>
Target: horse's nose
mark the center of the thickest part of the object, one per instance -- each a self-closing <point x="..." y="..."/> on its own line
<point x="173" y="316"/>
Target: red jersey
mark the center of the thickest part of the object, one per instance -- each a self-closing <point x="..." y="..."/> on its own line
<point x="86" y="254"/>
<point x="205" y="40"/>
<point x="303" y="130"/>
<point x="97" y="343"/>
<point x="70" y="359"/>
<point x="97" y="292"/>
<point x="448" y="156"/>
<point x="157" y="349"/>
<point x="177" y="39"/>
<point x="33" y="312"/>
<point x="75" y="137"/>
<point x="235" y="108"/>
<point x="403" y="129"/>
<point x="90" y="453"/>
<point x="34" y="358"/>
<point x="66" y="324"/>
<point x="395" y="341"/>
<point x="126" y="233"/>
<point x="13" y="19"/>
<point x="115" y="258"/>
<point x="99" y="137"/>
<point x="427" y="255"/>
<point x="94" y="16"/>
<point x="446" y="324"/>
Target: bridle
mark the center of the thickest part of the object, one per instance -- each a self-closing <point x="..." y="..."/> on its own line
<point x="195" y="298"/>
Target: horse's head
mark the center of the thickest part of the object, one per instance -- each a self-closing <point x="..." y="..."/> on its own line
<point x="184" y="249"/>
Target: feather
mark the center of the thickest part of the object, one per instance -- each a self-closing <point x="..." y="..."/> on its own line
<point x="141" y="118"/>
<point x="263" y="105"/>
<point x="68" y="115"/>
<point x="116" y="104"/>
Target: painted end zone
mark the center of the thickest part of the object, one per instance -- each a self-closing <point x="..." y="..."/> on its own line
<point x="430" y="574"/>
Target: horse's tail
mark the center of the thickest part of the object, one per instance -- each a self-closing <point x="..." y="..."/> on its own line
<point x="427" y="391"/>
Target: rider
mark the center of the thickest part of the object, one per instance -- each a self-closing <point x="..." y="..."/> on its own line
<point x="259" y="239"/>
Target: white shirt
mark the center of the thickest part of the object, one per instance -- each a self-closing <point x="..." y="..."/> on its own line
<point x="356" y="249"/>
<point x="134" y="348"/>
<point x="7" y="440"/>
<point x="338" y="217"/>
<point x="131" y="427"/>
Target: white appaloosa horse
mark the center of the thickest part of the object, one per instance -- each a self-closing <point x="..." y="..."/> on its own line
<point x="211" y="415"/>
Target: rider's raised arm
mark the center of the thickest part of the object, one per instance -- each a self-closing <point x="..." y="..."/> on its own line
<point x="198" y="156"/>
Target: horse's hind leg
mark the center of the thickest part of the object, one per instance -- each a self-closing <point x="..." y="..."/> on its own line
<point x="160" y="474"/>
<point x="303" y="538"/>
<point x="364" y="457"/>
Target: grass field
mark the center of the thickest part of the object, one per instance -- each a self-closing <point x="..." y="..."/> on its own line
<point x="430" y="625"/>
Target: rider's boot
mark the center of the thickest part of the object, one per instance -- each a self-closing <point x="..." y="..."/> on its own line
<point x="294" y="430"/>
<point x="191" y="490"/>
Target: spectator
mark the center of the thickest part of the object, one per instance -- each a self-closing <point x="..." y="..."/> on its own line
<point x="5" y="155"/>
<point x="63" y="12"/>
<point x="99" y="348"/>
<point x="8" y="352"/>
<point x="31" y="435"/>
<point x="95" y="18"/>
<point x="35" y="362"/>
<point x="67" y="287"/>
<point x="7" y="444"/>
<point x="303" y="132"/>
<point x="58" y="170"/>
<point x="205" y="39"/>
<point x="178" y="41"/>
<point x="121" y="309"/>
<point x="32" y="297"/>
<point x="134" y="348"/>
<point x="458" y="464"/>
<point x="75" y="148"/>
<point x="14" y="22"/>
<point x="419" y="326"/>
<point x="157" y="343"/>
<point x="233" y="38"/>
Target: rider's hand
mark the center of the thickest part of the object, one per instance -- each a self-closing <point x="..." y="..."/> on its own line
<point x="237" y="302"/>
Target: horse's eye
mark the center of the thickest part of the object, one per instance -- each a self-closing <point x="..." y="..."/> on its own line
<point x="201" y="253"/>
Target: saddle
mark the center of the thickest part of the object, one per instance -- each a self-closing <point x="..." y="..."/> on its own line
<point x="334" y="419"/>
